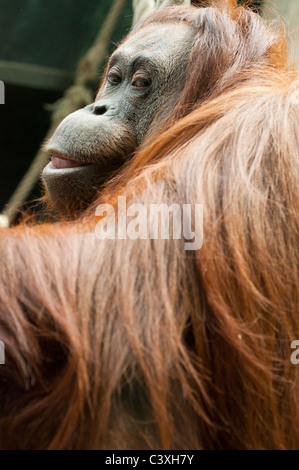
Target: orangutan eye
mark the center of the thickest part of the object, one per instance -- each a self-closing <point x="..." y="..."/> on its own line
<point x="139" y="82"/>
<point x="114" y="79"/>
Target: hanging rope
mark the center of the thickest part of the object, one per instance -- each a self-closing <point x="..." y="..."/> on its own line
<point x="76" y="97"/>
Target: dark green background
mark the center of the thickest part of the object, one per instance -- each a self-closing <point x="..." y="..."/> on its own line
<point x="53" y="33"/>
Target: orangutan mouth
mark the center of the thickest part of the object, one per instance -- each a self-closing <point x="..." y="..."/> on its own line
<point x="60" y="163"/>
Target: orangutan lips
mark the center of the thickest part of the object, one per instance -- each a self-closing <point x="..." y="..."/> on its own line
<point x="60" y="163"/>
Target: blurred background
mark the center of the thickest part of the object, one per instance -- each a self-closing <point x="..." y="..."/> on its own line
<point x="41" y="44"/>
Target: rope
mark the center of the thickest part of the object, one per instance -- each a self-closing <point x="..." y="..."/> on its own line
<point x="76" y="97"/>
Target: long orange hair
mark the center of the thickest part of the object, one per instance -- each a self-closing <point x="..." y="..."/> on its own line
<point x="140" y="344"/>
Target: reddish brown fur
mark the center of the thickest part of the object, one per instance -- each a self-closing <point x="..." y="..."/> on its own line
<point x="140" y="344"/>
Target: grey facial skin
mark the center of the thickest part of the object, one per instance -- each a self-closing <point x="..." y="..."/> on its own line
<point x="144" y="78"/>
